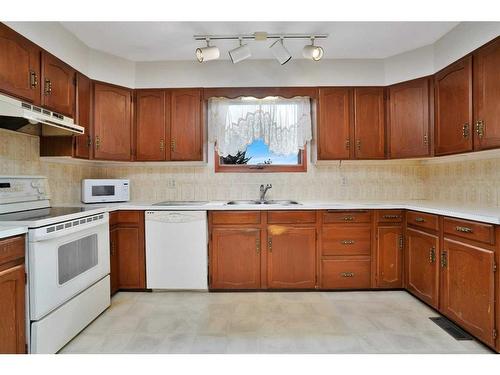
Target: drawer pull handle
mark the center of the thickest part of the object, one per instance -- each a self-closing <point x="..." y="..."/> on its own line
<point x="420" y="220"/>
<point x="444" y="259"/>
<point x="347" y="242"/>
<point x="270" y="244"/>
<point x="391" y="216"/>
<point x="348" y="218"/>
<point x="347" y="274"/>
<point x="463" y="229"/>
<point x="257" y="245"/>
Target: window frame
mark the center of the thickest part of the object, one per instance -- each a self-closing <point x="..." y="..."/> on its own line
<point x="261" y="168"/>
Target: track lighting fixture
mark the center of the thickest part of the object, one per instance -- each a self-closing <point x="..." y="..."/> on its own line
<point x="313" y="52"/>
<point x="243" y="52"/>
<point x="207" y="53"/>
<point x="240" y="53"/>
<point x="280" y="52"/>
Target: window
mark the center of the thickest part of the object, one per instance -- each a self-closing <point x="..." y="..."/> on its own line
<point x="260" y="135"/>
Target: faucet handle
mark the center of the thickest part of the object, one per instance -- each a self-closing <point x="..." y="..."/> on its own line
<point x="269" y="186"/>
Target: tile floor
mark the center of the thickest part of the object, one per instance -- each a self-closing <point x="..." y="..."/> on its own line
<point x="310" y="322"/>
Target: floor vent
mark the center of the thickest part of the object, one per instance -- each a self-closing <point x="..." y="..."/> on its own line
<point x="451" y="328"/>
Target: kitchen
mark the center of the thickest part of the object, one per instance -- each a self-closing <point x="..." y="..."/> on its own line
<point x="214" y="194"/>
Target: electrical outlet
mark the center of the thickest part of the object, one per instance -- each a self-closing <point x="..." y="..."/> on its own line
<point x="171" y="183"/>
<point x="343" y="181"/>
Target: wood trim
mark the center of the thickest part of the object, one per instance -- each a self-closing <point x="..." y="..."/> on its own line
<point x="245" y="168"/>
<point x="259" y="92"/>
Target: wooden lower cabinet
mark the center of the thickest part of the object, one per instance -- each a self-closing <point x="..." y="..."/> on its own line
<point x="291" y="257"/>
<point x="345" y="272"/>
<point x="127" y="250"/>
<point x="467" y="294"/>
<point x="235" y="258"/>
<point x="12" y="296"/>
<point x="389" y="257"/>
<point x="422" y="257"/>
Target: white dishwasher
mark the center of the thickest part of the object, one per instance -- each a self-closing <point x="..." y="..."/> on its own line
<point x="176" y="250"/>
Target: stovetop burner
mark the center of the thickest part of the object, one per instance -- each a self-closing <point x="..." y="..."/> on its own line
<point x="41" y="213"/>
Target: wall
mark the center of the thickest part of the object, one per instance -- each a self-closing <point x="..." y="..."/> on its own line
<point x="19" y="155"/>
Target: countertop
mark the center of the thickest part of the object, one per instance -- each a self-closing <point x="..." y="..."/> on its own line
<point x="468" y="212"/>
<point x="9" y="231"/>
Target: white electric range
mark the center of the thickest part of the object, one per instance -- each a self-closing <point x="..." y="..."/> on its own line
<point x="67" y="261"/>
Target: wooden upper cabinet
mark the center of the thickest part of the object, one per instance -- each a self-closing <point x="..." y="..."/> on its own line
<point x="58" y="85"/>
<point x="453" y="131"/>
<point x="112" y="122"/>
<point x="468" y="288"/>
<point x="150" y="125"/>
<point x="235" y="258"/>
<point x="291" y="261"/>
<point x="186" y="135"/>
<point x="83" y="115"/>
<point x="486" y="61"/>
<point x="389" y="257"/>
<point x="423" y="265"/>
<point x="409" y="119"/>
<point x="369" y="123"/>
<point x="333" y="132"/>
<point x="19" y="66"/>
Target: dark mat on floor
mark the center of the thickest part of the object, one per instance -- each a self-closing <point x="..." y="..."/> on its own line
<point x="451" y="328"/>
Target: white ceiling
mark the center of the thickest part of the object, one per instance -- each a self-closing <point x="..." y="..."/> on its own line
<point x="158" y="41"/>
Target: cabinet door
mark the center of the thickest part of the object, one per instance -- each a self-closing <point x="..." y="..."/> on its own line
<point x="58" y="85"/>
<point x="389" y="257"/>
<point x="291" y="261"/>
<point x="369" y="123"/>
<point x="186" y="136"/>
<point x="334" y="123"/>
<point x="409" y="119"/>
<point x="453" y="108"/>
<point x="12" y="313"/>
<point x="150" y="125"/>
<point x="83" y="99"/>
<point x="468" y="288"/>
<point x="112" y="122"/>
<point x="423" y="265"/>
<point x="235" y="258"/>
<point x="114" y="266"/>
<point x="487" y="96"/>
<point x="19" y="66"/>
<point x="131" y="257"/>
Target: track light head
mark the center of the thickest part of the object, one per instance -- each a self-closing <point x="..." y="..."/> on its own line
<point x="313" y="52"/>
<point x="207" y="53"/>
<point x="280" y="52"/>
<point x="240" y="53"/>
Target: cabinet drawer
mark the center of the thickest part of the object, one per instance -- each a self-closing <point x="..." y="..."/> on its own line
<point x="345" y="273"/>
<point x="11" y="248"/>
<point x="291" y="217"/>
<point x="422" y="220"/>
<point x="469" y="229"/>
<point x="334" y="216"/>
<point x="125" y="217"/>
<point x="390" y="216"/>
<point x="345" y="240"/>
<point x="235" y="217"/>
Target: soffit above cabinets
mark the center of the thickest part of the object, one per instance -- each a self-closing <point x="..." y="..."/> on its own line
<point x="160" y="41"/>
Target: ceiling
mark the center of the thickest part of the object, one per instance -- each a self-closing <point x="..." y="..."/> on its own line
<point x="158" y="41"/>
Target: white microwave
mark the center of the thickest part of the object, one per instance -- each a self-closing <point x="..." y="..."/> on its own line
<point x="105" y="190"/>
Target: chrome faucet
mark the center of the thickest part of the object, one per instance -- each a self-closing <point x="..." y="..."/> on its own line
<point x="263" y="191"/>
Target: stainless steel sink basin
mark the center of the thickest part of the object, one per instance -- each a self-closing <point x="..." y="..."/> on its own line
<point x="282" y="202"/>
<point x="181" y="203"/>
<point x="256" y="202"/>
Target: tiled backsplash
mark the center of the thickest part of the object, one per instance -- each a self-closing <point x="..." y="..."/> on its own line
<point x="471" y="181"/>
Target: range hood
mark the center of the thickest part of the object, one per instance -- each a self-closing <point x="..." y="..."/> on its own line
<point x="15" y="114"/>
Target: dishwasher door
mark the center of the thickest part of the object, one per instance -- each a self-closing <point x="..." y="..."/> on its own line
<point x="176" y="250"/>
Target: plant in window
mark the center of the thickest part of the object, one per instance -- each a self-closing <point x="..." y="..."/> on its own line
<point x="239" y="158"/>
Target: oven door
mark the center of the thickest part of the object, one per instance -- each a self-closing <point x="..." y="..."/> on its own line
<point x="64" y="262"/>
